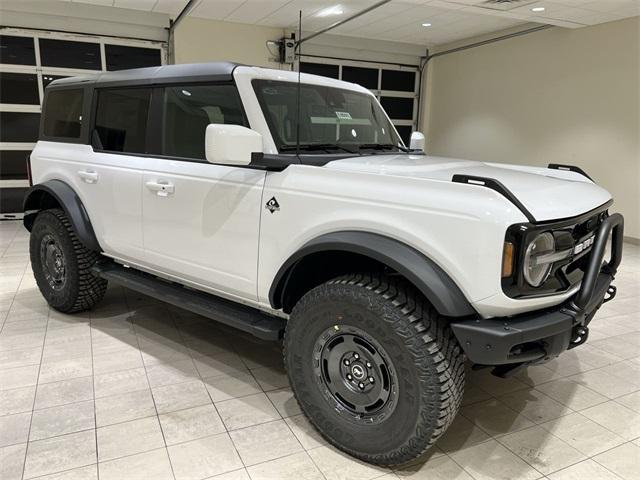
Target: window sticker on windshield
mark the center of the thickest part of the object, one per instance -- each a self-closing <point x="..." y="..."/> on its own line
<point x="343" y="115"/>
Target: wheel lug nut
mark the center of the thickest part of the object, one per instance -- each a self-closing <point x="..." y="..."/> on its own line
<point x="368" y="364"/>
<point x="349" y="377"/>
<point x="347" y="362"/>
<point x="356" y="356"/>
<point x="361" y="386"/>
<point x="372" y="380"/>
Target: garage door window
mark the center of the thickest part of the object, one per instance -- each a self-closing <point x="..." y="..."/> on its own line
<point x="121" y="120"/>
<point x="19" y="88"/>
<point x="17" y="50"/>
<point x="188" y="110"/>
<point x="121" y="57"/>
<point x="19" y="127"/>
<point x="63" y="113"/>
<point x="367" y="77"/>
<point x="68" y="54"/>
<point x="323" y="69"/>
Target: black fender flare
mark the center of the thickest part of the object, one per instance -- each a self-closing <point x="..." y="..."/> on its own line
<point x="432" y="281"/>
<point x="69" y="201"/>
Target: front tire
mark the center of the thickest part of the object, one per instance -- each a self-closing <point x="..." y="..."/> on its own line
<point x="374" y="367"/>
<point x="62" y="264"/>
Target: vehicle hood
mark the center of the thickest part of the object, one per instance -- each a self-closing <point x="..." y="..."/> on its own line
<point x="547" y="194"/>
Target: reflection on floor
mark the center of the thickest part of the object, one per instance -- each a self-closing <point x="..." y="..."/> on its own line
<point x="139" y="390"/>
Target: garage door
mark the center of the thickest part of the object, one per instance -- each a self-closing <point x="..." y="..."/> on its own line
<point x="395" y="86"/>
<point x="29" y="61"/>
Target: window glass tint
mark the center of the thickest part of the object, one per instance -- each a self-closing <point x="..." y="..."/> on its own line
<point x="47" y="79"/>
<point x="120" y="57"/>
<point x="329" y="117"/>
<point x="189" y="109"/>
<point x="367" y="77"/>
<point x="17" y="50"/>
<point x="13" y="164"/>
<point x="68" y="54"/>
<point x="19" y="88"/>
<point x="121" y="119"/>
<point x="332" y="71"/>
<point x="19" y="127"/>
<point x="63" y="113"/>
<point x="398" y="108"/>
<point x="405" y="133"/>
<point x="398" y="80"/>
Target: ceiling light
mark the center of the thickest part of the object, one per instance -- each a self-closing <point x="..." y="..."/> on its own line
<point x="537" y="9"/>
<point x="426" y="24"/>
<point x="327" y="12"/>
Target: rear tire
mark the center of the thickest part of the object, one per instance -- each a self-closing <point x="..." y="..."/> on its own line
<point x="62" y="264"/>
<point x="409" y="366"/>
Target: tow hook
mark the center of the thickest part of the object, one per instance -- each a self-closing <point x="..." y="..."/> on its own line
<point x="580" y="335"/>
<point x="611" y="293"/>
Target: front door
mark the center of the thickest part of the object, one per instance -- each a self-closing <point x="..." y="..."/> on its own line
<point x="201" y="222"/>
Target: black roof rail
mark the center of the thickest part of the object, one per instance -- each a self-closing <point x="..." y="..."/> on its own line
<point x="569" y="168"/>
<point x="494" y="184"/>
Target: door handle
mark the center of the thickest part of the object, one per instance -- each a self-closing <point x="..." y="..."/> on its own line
<point x="88" y="176"/>
<point x="162" y="189"/>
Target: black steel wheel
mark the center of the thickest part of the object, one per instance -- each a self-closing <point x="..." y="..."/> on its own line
<point x="53" y="262"/>
<point x="357" y="376"/>
<point x="374" y="367"/>
<point x="62" y="264"/>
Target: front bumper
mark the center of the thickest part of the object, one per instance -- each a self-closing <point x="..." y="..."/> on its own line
<point x="539" y="336"/>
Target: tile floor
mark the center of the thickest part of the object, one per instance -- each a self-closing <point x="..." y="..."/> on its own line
<point x="138" y="390"/>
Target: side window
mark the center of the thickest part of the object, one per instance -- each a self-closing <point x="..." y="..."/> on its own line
<point x="63" y="113"/>
<point x="188" y="110"/>
<point x="121" y="120"/>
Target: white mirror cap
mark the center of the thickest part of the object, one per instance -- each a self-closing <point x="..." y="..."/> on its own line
<point x="417" y="141"/>
<point x="231" y="144"/>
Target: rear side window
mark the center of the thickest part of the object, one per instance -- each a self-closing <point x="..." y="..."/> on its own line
<point x="188" y="110"/>
<point x="121" y="120"/>
<point x="63" y="113"/>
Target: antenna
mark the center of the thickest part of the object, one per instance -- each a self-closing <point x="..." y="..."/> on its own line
<point x="299" y="48"/>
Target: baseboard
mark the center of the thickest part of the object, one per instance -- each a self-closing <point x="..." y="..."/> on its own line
<point x="632" y="240"/>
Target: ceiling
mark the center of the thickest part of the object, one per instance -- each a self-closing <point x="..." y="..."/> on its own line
<point x="399" y="20"/>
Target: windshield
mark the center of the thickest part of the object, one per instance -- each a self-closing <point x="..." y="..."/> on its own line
<point x="330" y="118"/>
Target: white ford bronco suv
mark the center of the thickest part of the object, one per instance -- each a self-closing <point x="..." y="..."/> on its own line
<point x="293" y="211"/>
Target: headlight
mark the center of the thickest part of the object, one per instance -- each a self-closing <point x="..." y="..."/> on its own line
<point x="535" y="271"/>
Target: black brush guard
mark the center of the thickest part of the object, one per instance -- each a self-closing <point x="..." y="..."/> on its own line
<point x="536" y="337"/>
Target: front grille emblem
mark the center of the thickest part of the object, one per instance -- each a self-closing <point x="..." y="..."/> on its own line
<point x="584" y="245"/>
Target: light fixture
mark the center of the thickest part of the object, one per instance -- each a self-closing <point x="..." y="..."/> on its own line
<point x="426" y="24"/>
<point x="538" y="9"/>
<point x="328" y="12"/>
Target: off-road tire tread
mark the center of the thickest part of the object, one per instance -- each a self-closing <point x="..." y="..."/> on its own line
<point x="425" y="333"/>
<point x="91" y="289"/>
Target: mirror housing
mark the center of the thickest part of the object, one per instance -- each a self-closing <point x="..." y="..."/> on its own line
<point x="417" y="142"/>
<point x="231" y="144"/>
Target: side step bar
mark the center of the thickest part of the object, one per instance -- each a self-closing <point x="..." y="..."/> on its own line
<point x="242" y="317"/>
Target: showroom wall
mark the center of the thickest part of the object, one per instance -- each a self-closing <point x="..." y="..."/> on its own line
<point x="559" y="95"/>
<point x="200" y="40"/>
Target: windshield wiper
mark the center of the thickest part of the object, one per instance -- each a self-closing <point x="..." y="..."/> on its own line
<point x="316" y="146"/>
<point x="382" y="146"/>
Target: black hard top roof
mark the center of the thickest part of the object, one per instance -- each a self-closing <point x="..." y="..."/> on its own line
<point x="191" y="72"/>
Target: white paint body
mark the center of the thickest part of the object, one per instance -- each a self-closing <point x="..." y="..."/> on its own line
<point x="206" y="225"/>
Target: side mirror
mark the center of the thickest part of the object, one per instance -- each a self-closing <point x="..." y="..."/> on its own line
<point x="417" y="141"/>
<point x="231" y="144"/>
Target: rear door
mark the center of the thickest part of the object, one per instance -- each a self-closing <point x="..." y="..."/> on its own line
<point x="112" y="172"/>
<point x="201" y="221"/>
